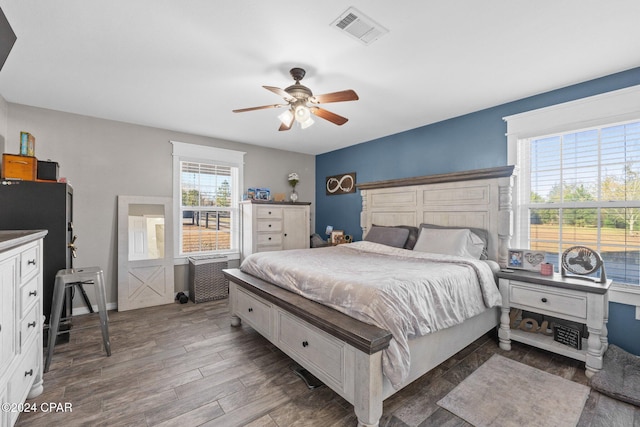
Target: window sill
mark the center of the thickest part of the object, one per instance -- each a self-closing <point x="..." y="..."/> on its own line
<point x="625" y="294"/>
<point x="184" y="260"/>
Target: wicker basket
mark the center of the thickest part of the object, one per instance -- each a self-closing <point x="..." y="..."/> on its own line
<point x="206" y="280"/>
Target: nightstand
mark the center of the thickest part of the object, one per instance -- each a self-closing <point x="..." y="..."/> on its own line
<point x="573" y="299"/>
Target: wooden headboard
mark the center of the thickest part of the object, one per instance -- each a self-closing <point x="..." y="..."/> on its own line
<point x="479" y="198"/>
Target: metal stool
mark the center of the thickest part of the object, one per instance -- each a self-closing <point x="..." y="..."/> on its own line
<point x="77" y="277"/>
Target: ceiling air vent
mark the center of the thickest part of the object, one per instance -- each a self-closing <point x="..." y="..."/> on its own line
<point x="359" y="26"/>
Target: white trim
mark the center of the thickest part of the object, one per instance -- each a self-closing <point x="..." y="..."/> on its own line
<point x="610" y="107"/>
<point x="77" y="311"/>
<point x="599" y="110"/>
<point x="625" y="294"/>
<point x="202" y="153"/>
<point x="199" y="152"/>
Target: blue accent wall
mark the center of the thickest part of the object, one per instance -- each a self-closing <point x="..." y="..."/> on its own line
<point x="473" y="141"/>
<point x="624" y="329"/>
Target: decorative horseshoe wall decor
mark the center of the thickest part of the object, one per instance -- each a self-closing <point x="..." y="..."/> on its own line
<point x="341" y="184"/>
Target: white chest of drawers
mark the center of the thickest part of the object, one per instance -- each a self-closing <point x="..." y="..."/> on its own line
<point x="274" y="226"/>
<point x="20" y="321"/>
<point x="576" y="300"/>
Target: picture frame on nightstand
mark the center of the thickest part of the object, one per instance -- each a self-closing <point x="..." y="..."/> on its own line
<point x="337" y="237"/>
<point x="525" y="259"/>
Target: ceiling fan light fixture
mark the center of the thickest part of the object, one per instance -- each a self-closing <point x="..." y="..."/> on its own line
<point x="302" y="113"/>
<point x="306" y="123"/>
<point x="286" y="117"/>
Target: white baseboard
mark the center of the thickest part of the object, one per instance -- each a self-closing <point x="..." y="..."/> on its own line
<point x="78" y="311"/>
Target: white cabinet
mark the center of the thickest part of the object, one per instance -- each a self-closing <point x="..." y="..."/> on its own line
<point x="576" y="300"/>
<point x="273" y="226"/>
<point x="20" y="321"/>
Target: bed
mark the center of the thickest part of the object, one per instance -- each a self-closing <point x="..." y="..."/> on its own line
<point x="351" y="355"/>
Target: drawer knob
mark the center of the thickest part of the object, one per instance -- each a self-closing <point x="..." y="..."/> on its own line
<point x="269" y="212"/>
<point x="269" y="225"/>
<point x="31" y="324"/>
<point x="305" y="343"/>
<point x="544" y="300"/>
<point x="250" y="309"/>
<point x="31" y="262"/>
<point x="269" y="238"/>
<point x="285" y="234"/>
<point x="33" y="293"/>
<point x="28" y="373"/>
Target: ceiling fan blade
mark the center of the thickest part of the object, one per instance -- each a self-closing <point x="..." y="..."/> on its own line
<point x="345" y="95"/>
<point x="284" y="126"/>
<point x="328" y="115"/>
<point x="280" y="92"/>
<point x="262" y="107"/>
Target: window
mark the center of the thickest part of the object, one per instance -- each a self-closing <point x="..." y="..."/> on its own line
<point x="583" y="188"/>
<point x="577" y="182"/>
<point x="207" y="183"/>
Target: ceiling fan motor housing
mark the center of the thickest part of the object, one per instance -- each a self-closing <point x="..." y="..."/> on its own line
<point x="299" y="92"/>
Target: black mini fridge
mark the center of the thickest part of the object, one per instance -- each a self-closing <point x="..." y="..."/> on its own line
<point x="31" y="205"/>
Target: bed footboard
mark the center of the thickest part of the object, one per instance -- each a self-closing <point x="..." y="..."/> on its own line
<point x="344" y="353"/>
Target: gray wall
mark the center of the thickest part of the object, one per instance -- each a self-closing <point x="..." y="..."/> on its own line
<point x="4" y="111"/>
<point x="103" y="159"/>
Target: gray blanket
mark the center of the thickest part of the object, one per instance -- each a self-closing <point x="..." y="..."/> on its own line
<point x="408" y="293"/>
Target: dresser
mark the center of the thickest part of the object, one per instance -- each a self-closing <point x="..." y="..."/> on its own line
<point x="21" y="319"/>
<point x="274" y="226"/>
<point x="575" y="300"/>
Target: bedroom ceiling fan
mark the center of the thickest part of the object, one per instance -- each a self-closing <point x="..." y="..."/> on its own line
<point x="302" y="103"/>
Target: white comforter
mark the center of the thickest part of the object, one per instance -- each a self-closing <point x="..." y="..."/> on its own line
<point x="407" y="293"/>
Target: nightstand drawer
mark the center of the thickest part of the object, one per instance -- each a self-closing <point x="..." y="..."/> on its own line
<point x="536" y="297"/>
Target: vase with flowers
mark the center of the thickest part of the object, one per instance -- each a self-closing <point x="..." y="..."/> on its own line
<point x="293" y="181"/>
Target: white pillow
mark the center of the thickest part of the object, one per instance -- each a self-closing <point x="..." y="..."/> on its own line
<point x="450" y="241"/>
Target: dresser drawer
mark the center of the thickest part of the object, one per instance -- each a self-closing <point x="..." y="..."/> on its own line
<point x="269" y="239"/>
<point x="22" y="378"/>
<point x="30" y="324"/>
<point x="29" y="263"/>
<point x="268" y="226"/>
<point x="28" y="295"/>
<point x="314" y="346"/>
<point x="537" y="297"/>
<point x="269" y="212"/>
<point x="255" y="312"/>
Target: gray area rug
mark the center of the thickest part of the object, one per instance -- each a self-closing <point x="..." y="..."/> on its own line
<point x="620" y="376"/>
<point x="503" y="392"/>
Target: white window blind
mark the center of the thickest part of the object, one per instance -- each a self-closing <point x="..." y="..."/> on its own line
<point x="207" y="188"/>
<point x="583" y="188"/>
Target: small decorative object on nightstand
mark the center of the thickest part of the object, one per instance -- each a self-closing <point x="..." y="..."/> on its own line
<point x="572" y="299"/>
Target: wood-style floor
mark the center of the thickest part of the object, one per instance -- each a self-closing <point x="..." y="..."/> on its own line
<point x="184" y="365"/>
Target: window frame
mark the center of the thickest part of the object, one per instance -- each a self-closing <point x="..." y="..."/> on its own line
<point x="209" y="155"/>
<point x="601" y="110"/>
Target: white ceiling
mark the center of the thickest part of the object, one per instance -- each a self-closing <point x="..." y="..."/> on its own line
<point x="184" y="65"/>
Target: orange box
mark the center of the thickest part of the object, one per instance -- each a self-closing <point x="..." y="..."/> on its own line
<point x="19" y="167"/>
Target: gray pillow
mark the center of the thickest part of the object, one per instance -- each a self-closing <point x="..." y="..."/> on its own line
<point x="390" y="236"/>
<point x="413" y="234"/>
<point x="480" y="232"/>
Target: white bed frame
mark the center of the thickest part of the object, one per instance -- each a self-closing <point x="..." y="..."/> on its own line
<point x="479" y="199"/>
